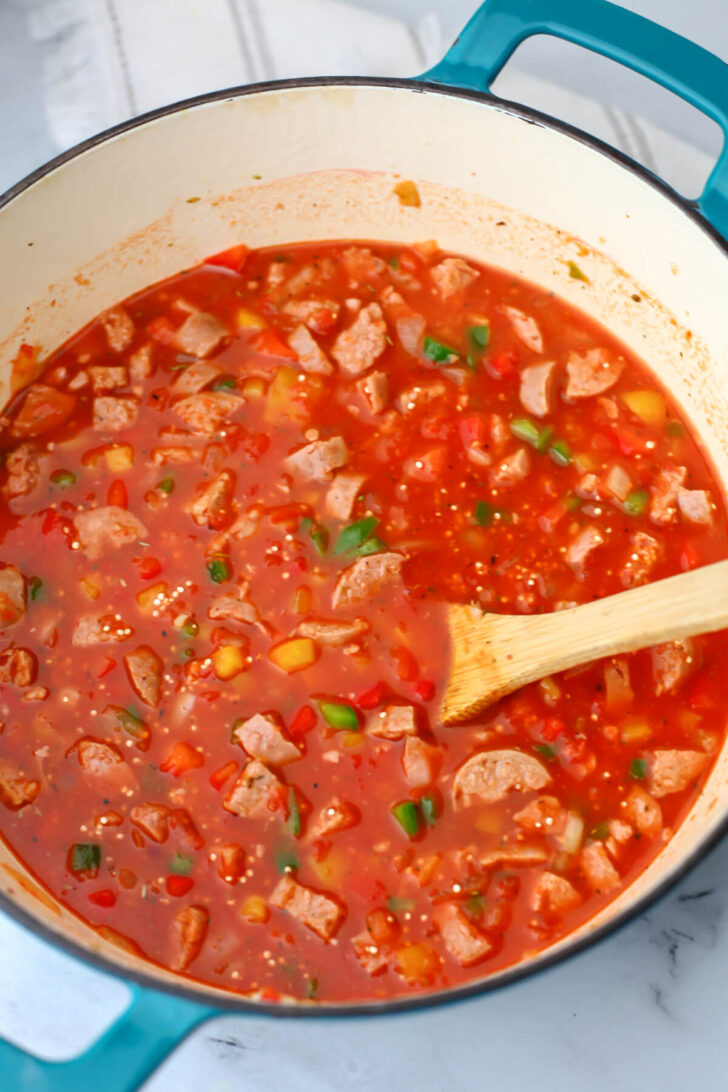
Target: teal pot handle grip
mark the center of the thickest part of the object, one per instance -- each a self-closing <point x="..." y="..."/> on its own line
<point x="121" y="1060"/>
<point x="681" y="66"/>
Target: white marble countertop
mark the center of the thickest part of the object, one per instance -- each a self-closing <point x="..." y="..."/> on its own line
<point x="643" y="1010"/>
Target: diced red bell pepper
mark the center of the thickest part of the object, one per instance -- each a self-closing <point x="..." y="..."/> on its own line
<point x="105" y="898"/>
<point x="629" y="441"/>
<point x="323" y="322"/>
<point x="304" y="720"/>
<point x="181" y="759"/>
<point x="232" y="258"/>
<point x="108" y="665"/>
<point x="268" y="343"/>
<point x="502" y="365"/>
<point x="117" y="494"/>
<point x="177" y="886"/>
<point x="221" y="776"/>
<point x="371" y="699"/>
<point x="425" y="689"/>
<point x="158" y="398"/>
<point x="148" y="567"/>
<point x="188" y="835"/>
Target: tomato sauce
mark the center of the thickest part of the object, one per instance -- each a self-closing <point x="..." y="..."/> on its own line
<point x="233" y="510"/>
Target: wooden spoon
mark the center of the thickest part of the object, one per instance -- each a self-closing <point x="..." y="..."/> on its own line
<point x="495" y="654"/>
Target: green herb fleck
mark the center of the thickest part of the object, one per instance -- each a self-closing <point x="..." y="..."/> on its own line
<point x="166" y="485"/>
<point x="675" y="429"/>
<point x="339" y="715"/>
<point x="438" y="352"/>
<point x="545" y="751"/>
<point x="35" y="587"/>
<point x="293" y="823"/>
<point x="428" y="806"/>
<point x="399" y="904"/>
<point x="355" y="535"/>
<point x="577" y="273"/>
<point x="638" y="769"/>
<point x="407" y="816"/>
<point x="560" y="452"/>
<point x="181" y="864"/>
<point x="218" y="570"/>
<point x="64" y="478"/>
<point x="373" y="545"/>
<point x="636" y="502"/>
<point x="483" y="513"/>
<point x="85" y="857"/>
<point x="224" y="383"/>
<point x="286" y="860"/>
<point x="479" y="336"/>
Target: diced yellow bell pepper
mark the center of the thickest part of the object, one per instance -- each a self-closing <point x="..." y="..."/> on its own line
<point x="584" y="462"/>
<point x="416" y="962"/>
<point x="254" y="388"/>
<point x="119" y="457"/>
<point x="408" y="193"/>
<point x="649" y="406"/>
<point x="294" y="654"/>
<point x="249" y="320"/>
<point x="352" y="739"/>
<point x="550" y="689"/>
<point x="147" y="596"/>
<point x="489" y="821"/>
<point x="636" y="731"/>
<point x="228" y="661"/>
<point x="302" y="600"/>
<point x="255" y="909"/>
<point x="91" y="590"/>
<point x="281" y="402"/>
<point x="332" y="871"/>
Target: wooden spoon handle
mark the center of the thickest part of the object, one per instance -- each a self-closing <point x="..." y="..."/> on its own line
<point x="493" y="655"/>
<point x="680" y="606"/>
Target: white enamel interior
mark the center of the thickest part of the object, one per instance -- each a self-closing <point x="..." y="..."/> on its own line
<point x="319" y="162"/>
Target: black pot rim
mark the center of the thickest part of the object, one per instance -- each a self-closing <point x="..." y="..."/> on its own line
<point x="518" y="972"/>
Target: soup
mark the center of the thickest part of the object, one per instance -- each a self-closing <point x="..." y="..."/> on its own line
<point x="233" y="511"/>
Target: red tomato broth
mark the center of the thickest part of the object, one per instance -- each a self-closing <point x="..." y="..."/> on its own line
<point x="509" y="563"/>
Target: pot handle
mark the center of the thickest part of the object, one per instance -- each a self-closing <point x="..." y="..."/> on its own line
<point x="681" y="66"/>
<point x="121" y="1060"/>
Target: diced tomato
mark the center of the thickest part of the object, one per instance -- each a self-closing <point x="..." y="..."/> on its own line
<point x="370" y="699"/>
<point x="148" y="567"/>
<point x="268" y="343"/>
<point x="474" y="429"/>
<point x="425" y="689"/>
<point x="438" y="427"/>
<point x="289" y="515"/>
<point x="278" y="799"/>
<point x="108" y="665"/>
<point x="177" y="886"/>
<point x="502" y="365"/>
<point x="303" y="721"/>
<point x="701" y="694"/>
<point x="53" y="521"/>
<point x="232" y="258"/>
<point x="221" y="635"/>
<point x="552" y="729"/>
<point x="256" y="445"/>
<point x="105" y="898"/>
<point x="181" y="759"/>
<point x="269" y="994"/>
<point x="188" y="835"/>
<point x="575" y="750"/>
<point x="219" y="777"/>
<point x="549" y="520"/>
<point x="158" y="398"/>
<point x="117" y="494"/>
<point x="92" y="456"/>
<point x="508" y="887"/>
<point x="323" y="322"/>
<point x="629" y="441"/>
<point x="162" y="330"/>
<point x="404" y="664"/>
<point x="428" y="467"/>
<point x="42" y="409"/>
<point x="689" y="557"/>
